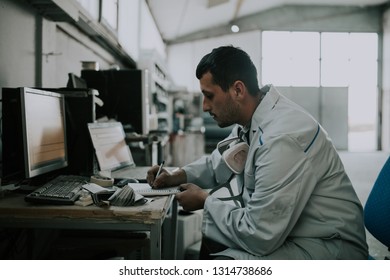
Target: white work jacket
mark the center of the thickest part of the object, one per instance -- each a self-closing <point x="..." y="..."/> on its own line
<point x="294" y="185"/>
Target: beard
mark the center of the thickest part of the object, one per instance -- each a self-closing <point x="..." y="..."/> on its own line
<point x="228" y="115"/>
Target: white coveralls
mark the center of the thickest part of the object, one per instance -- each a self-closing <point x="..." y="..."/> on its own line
<point x="299" y="202"/>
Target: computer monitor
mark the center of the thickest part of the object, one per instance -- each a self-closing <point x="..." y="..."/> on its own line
<point x="34" y="132"/>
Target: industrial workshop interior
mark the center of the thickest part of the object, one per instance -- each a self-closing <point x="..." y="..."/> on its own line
<point x="89" y="68"/>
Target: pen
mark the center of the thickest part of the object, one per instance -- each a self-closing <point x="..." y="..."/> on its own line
<point x="159" y="170"/>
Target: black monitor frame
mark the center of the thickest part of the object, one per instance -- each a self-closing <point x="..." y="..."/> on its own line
<point x="18" y="151"/>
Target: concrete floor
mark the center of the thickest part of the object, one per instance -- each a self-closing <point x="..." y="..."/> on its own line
<point x="363" y="169"/>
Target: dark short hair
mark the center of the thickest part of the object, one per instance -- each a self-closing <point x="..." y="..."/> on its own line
<point x="228" y="64"/>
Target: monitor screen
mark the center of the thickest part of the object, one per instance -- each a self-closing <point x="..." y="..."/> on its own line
<point x="108" y="139"/>
<point x="45" y="141"/>
<point x="38" y="118"/>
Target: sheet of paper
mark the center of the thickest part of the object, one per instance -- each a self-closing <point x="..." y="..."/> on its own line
<point x="146" y="190"/>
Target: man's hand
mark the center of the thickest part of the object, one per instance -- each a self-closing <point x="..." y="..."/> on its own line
<point x="165" y="179"/>
<point x="191" y="197"/>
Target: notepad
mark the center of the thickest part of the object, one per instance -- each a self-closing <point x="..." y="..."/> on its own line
<point x="146" y="190"/>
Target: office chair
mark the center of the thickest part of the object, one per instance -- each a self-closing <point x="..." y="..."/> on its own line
<point x="377" y="208"/>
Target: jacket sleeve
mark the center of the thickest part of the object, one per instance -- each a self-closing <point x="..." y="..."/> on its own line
<point x="210" y="170"/>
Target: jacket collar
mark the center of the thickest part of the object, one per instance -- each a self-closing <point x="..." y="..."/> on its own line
<point x="266" y="105"/>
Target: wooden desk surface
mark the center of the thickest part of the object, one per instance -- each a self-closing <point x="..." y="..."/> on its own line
<point x="13" y="205"/>
<point x="15" y="212"/>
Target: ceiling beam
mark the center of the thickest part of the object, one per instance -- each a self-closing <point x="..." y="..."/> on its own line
<point x="298" y="18"/>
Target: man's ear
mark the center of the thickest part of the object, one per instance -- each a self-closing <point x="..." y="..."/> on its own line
<point x="239" y="88"/>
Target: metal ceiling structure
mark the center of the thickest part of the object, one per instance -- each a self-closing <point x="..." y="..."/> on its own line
<point x="186" y="20"/>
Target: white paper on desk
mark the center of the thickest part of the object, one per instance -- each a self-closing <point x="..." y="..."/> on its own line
<point x="146" y="190"/>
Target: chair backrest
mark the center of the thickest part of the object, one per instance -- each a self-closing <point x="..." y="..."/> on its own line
<point x="377" y="208"/>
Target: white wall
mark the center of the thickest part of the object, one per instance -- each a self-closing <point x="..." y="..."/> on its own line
<point x="37" y="52"/>
<point x="17" y="45"/>
<point x="70" y="47"/>
<point x="183" y="58"/>
<point x="128" y="26"/>
<point x="149" y="36"/>
<point x="41" y="52"/>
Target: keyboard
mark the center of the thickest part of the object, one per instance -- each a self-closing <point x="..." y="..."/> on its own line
<point x="62" y="190"/>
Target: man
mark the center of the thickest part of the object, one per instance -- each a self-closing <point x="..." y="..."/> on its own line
<point x="296" y="201"/>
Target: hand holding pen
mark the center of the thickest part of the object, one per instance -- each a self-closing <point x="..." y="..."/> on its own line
<point x="158" y="177"/>
<point x="152" y="175"/>
<point x="160" y="168"/>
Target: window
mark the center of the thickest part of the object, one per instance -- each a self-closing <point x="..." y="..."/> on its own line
<point x="330" y="60"/>
<point x="348" y="59"/>
<point x="335" y="66"/>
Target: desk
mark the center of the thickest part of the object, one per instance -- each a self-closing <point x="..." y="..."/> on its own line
<point x="16" y="213"/>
